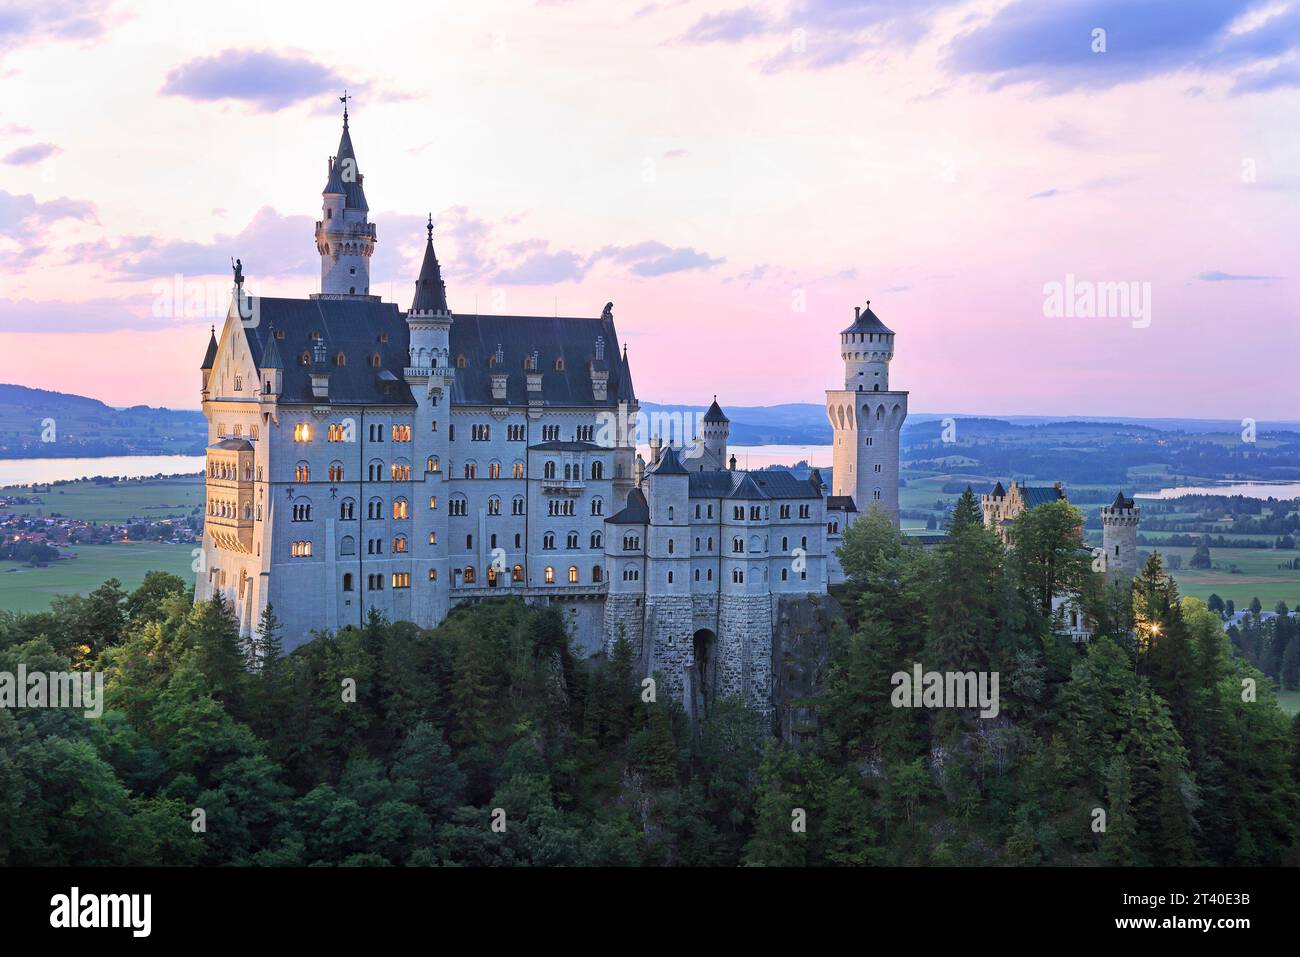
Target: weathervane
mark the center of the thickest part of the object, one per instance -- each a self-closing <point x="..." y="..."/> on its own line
<point x="344" y="100"/>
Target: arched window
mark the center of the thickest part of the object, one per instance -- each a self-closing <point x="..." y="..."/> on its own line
<point x="549" y="575"/>
<point x="347" y="545"/>
<point x="400" y="508"/>
<point x="548" y="470"/>
<point x="460" y="362"/>
<point x="346" y="510"/>
<point x="302" y="472"/>
<point x="471" y="469"/>
<point x="469" y="574"/>
<point x="597" y="506"/>
<point x="517" y="470"/>
<point x="517" y="573"/>
<point x="596" y="540"/>
<point x="432" y="464"/>
<point x="573" y="574"/>
<point x="375" y="361"/>
<point x="494" y="470"/>
<point x="548" y="540"/>
<point x="597" y="470"/>
<point x="494" y="506"/>
<point x="399" y="544"/>
<point x="336" y="471"/>
<point x="597" y="574"/>
<point x="340" y="360"/>
<point x="347" y="581"/>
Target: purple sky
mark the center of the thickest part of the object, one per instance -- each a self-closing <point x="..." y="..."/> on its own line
<point x="735" y="181"/>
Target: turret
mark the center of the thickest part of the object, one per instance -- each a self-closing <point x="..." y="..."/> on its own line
<point x="1119" y="524"/>
<point x="345" y="238"/>
<point x="209" y="359"/>
<point x="716" y="430"/>
<point x="271" y="367"/>
<point x="866" y="347"/>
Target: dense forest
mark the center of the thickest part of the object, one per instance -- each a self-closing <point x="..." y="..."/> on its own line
<point x="484" y="742"/>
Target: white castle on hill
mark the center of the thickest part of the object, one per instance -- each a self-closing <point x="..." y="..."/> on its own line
<point x="364" y="457"/>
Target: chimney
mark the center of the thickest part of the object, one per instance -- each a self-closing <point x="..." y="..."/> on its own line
<point x="857" y="313"/>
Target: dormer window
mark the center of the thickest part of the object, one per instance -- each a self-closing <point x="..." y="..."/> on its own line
<point x="340" y="360"/>
<point x="559" y="364"/>
<point x="460" y="362"/>
<point x="315" y="335"/>
<point x="279" y="334"/>
<point x="305" y="358"/>
<point x="375" y="360"/>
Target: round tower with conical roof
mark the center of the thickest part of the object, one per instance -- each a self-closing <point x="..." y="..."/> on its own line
<point x="866" y="417"/>
<point x="1119" y="525"/>
<point x="345" y="237"/>
<point x="715" y="430"/>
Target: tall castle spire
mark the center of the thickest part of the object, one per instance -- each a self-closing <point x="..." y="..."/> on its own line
<point x="345" y="238"/>
<point x="430" y="290"/>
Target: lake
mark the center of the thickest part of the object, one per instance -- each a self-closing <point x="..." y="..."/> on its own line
<point x="27" y="471"/>
<point x="1246" y="489"/>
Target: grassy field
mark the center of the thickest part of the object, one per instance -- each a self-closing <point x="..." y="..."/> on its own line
<point x="1259" y="576"/>
<point x="115" y="502"/>
<point x="23" y="588"/>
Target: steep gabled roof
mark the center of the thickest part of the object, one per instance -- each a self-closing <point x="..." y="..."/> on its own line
<point x="635" y="512"/>
<point x="358" y="328"/>
<point x="769" y="483"/>
<point x="1121" y="501"/>
<point x="566" y="382"/>
<point x="668" y="464"/>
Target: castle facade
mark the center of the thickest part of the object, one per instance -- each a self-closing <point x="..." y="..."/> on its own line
<point x="364" y="457"/>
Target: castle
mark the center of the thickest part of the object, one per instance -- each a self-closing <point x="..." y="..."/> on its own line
<point x="1117" y="558"/>
<point x="364" y="457"/>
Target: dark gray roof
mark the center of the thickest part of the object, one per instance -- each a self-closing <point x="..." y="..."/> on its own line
<point x="354" y="327"/>
<point x="476" y="338"/>
<point x="629" y="394"/>
<point x="345" y="175"/>
<point x="1121" y="501"/>
<point x="566" y="447"/>
<point x="725" y="483"/>
<point x="430" y="290"/>
<point x="715" y="413"/>
<point x="635" y="512"/>
<point x="668" y="464"/>
<point x="841" y="503"/>
<point x="998" y="491"/>
<point x="210" y="356"/>
<point x="868" y="321"/>
<point x="231" y="445"/>
<point x="1038" y="495"/>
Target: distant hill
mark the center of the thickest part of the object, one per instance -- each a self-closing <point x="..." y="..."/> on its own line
<point x="36" y="423"/>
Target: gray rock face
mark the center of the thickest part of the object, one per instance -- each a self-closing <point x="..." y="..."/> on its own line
<point x="800" y="658"/>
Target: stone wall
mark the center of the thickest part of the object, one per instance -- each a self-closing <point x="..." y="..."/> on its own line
<point x="745" y="649"/>
<point x="668" y="636"/>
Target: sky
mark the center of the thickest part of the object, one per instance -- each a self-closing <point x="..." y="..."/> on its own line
<point x="734" y="177"/>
